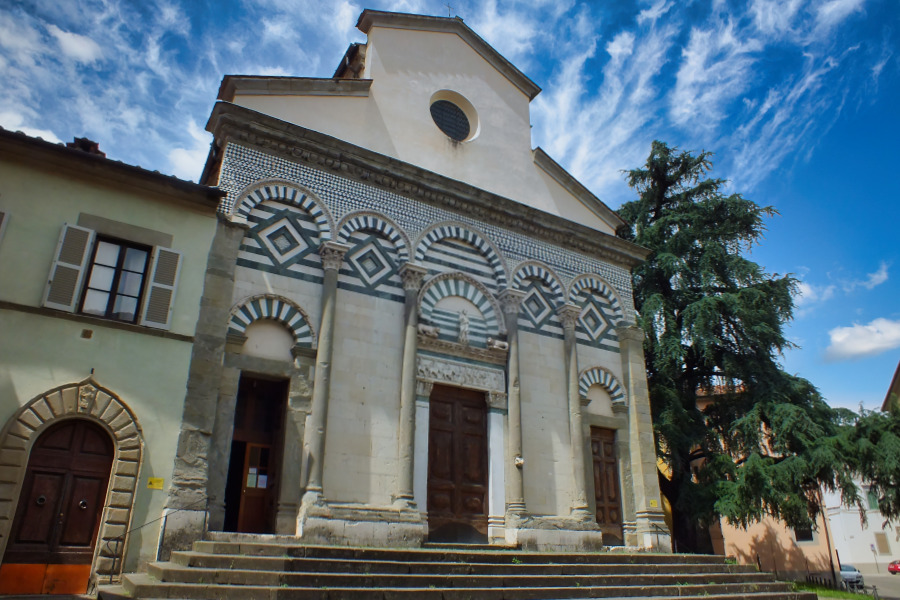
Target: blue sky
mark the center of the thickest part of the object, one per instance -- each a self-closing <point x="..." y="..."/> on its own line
<point x="797" y="99"/>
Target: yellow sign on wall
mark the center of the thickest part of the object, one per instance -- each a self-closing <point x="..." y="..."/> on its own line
<point x="654" y="504"/>
<point x="154" y="483"/>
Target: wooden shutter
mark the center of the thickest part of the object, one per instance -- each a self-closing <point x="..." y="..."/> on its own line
<point x="67" y="271"/>
<point x="159" y="295"/>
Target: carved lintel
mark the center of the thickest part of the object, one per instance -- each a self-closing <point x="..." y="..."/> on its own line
<point x="413" y="275"/>
<point x="476" y="377"/>
<point x="423" y="388"/>
<point x="568" y="314"/>
<point x="511" y="301"/>
<point x="332" y="254"/>
<point x="498" y="400"/>
<point x="495" y="356"/>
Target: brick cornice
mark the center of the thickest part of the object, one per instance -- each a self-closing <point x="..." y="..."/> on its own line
<point x="233" y="123"/>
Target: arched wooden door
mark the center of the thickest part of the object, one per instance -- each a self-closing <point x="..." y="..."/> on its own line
<point x="58" y="515"/>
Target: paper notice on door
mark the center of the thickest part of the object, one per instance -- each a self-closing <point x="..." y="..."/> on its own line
<point x="261" y="482"/>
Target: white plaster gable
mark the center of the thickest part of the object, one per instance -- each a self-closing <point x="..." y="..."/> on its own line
<point x="409" y="59"/>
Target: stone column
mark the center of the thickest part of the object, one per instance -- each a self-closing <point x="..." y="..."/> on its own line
<point x="296" y="411"/>
<point x="423" y="415"/>
<point x="568" y="314"/>
<point x="220" y="447"/>
<point x="511" y="301"/>
<point x="649" y="518"/>
<point x="404" y="496"/>
<point x="186" y="505"/>
<point x="332" y="254"/>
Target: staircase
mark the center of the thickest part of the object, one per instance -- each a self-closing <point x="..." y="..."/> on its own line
<point x="234" y="566"/>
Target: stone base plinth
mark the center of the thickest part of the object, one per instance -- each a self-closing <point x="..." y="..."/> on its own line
<point x="554" y="534"/>
<point x="180" y="529"/>
<point x="347" y="525"/>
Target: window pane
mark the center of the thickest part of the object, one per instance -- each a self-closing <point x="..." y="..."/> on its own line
<point x="95" y="303"/>
<point x="135" y="260"/>
<point x="102" y="278"/>
<point x="107" y="254"/>
<point x="125" y="308"/>
<point x="130" y="283"/>
<point x="873" y="500"/>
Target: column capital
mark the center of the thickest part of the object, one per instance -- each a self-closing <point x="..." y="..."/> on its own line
<point x="568" y="314"/>
<point x="423" y="388"/>
<point x="511" y="301"/>
<point x="631" y="333"/>
<point x="332" y="254"/>
<point x="497" y="400"/>
<point x="413" y="275"/>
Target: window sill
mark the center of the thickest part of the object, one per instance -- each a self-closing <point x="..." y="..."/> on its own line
<point x="95" y="321"/>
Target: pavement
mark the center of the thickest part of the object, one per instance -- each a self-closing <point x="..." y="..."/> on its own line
<point x="888" y="585"/>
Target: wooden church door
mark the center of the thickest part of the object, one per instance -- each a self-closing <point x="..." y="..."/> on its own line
<point x="606" y="485"/>
<point x="58" y="516"/>
<point x="457" y="466"/>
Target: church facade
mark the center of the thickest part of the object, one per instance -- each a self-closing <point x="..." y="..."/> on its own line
<point x="414" y="326"/>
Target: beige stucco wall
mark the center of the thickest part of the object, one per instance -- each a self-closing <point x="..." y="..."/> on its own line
<point x="39" y="352"/>
<point x="545" y="421"/>
<point x="407" y="68"/>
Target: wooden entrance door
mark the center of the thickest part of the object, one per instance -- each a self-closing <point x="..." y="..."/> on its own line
<point x="58" y="516"/>
<point x="606" y="485"/>
<point x="457" y="466"/>
<point x="251" y="491"/>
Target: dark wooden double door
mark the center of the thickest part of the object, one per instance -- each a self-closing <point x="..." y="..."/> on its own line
<point x="251" y="490"/>
<point x="457" y="466"/>
<point x="58" y="516"/>
<point x="606" y="485"/>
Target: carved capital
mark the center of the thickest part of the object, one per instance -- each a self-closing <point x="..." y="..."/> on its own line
<point x="511" y="301"/>
<point x="413" y="275"/>
<point x="332" y="254"/>
<point x="423" y="388"/>
<point x="630" y="333"/>
<point x="584" y="401"/>
<point x="498" y="400"/>
<point x="568" y="314"/>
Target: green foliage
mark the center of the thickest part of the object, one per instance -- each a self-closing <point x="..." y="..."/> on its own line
<point x="739" y="437"/>
<point x="872" y="445"/>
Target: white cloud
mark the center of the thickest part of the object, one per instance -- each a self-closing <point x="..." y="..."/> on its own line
<point x="187" y="163"/>
<point x="871" y="281"/>
<point x="832" y="13"/>
<point x="77" y="47"/>
<point x="809" y="294"/>
<point x="654" y="12"/>
<point x="12" y="121"/>
<point x="857" y="341"/>
<point x="774" y="16"/>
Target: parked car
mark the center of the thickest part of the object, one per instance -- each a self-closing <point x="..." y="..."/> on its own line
<point x="851" y="576"/>
<point x="894" y="567"/>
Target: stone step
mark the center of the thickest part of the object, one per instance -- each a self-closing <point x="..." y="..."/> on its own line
<point x="255" y="548"/>
<point x="169" y="572"/>
<point x="331" y="565"/>
<point x="144" y="586"/>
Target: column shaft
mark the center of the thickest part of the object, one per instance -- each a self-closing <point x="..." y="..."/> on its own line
<point x="569" y="314"/>
<point x="404" y="496"/>
<point x="512" y="301"/>
<point x="332" y="256"/>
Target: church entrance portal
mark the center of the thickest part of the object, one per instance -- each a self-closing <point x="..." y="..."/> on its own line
<point x="606" y="485"/>
<point x="457" y="466"/>
<point x="251" y="490"/>
<point x="58" y="516"/>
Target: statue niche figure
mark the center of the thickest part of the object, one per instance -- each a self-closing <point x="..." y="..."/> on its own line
<point x="463" y="328"/>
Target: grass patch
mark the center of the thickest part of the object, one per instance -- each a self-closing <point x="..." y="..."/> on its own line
<point x="824" y="592"/>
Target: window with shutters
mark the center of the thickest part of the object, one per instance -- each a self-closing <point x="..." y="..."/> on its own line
<point x="115" y="281"/>
<point x="111" y="278"/>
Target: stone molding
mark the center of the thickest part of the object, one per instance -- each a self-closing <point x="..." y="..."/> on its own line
<point x="631" y="333"/>
<point x="233" y="123"/>
<point x="439" y="370"/>
<point x="495" y="356"/>
<point x="90" y="401"/>
<point x="423" y="388"/>
<point x="457" y="230"/>
<point x="498" y="400"/>
<point x="511" y="301"/>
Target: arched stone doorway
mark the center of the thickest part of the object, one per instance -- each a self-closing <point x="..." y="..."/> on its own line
<point x="101" y="411"/>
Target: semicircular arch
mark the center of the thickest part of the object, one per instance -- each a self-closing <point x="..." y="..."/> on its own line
<point x="459" y="284"/>
<point x="372" y="221"/>
<point x="603" y="378"/>
<point x="275" y="308"/>
<point x="83" y="400"/>
<point x="288" y="193"/>
<point x="601" y="287"/>
<point x="466" y="233"/>
<point x="533" y="269"/>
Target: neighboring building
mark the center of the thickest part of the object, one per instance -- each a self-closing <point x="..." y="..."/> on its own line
<point x="101" y="270"/>
<point x="869" y="547"/>
<point x="415" y="325"/>
<point x="892" y="398"/>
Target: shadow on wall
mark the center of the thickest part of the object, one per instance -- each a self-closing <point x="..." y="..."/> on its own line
<point x="773" y="548"/>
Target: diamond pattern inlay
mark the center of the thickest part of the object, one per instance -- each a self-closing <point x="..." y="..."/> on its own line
<point x="283" y="241"/>
<point x="592" y="321"/>
<point x="371" y="263"/>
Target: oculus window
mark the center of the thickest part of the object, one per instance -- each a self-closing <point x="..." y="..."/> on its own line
<point x="450" y="119"/>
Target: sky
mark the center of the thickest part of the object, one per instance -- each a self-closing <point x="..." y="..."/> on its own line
<point x="797" y="99"/>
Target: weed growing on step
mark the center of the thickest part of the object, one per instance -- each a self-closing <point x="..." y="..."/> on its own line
<point x="516" y="560"/>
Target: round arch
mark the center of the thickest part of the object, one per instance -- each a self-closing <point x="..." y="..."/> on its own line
<point x="533" y="269"/>
<point x="275" y="308"/>
<point x="84" y="400"/>
<point x="372" y="221"/>
<point x="603" y="378"/>
<point x="595" y="282"/>
<point x="465" y="233"/>
<point x="288" y="193"/>
<point x="460" y="284"/>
